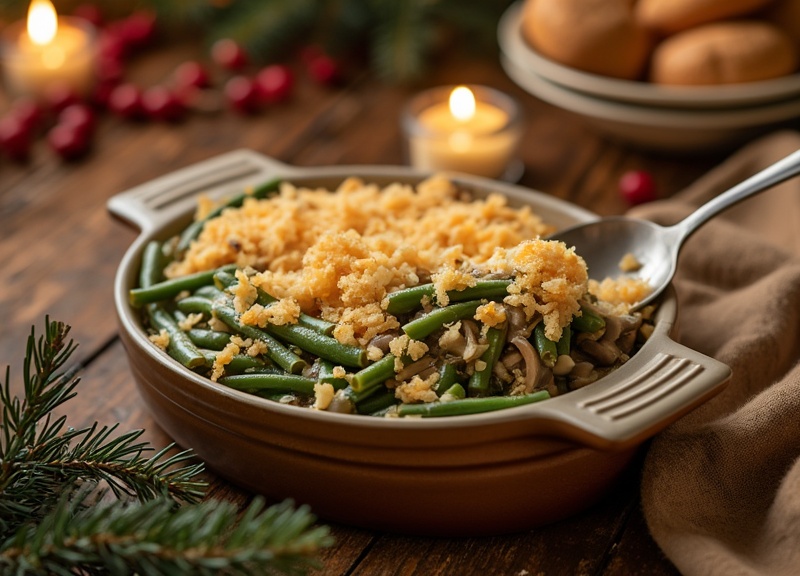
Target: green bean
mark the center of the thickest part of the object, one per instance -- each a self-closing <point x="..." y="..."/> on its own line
<point x="210" y="291"/>
<point x="193" y="230"/>
<point x="410" y="299"/>
<point x="588" y="321"/>
<point x="563" y="344"/>
<point x="241" y="363"/>
<point x="307" y="338"/>
<point x="376" y="403"/>
<point x="170" y="288"/>
<point x="456" y="391"/>
<point x="225" y="280"/>
<point x="479" y="381"/>
<point x="195" y="304"/>
<point x="427" y="324"/>
<point x="270" y="382"/>
<point x="373" y="375"/>
<point x="470" y="405"/>
<point x="544" y="346"/>
<point x="179" y="316"/>
<point x="319" y="345"/>
<point x="281" y="355"/>
<point x="180" y="347"/>
<point x="152" y="269"/>
<point x="326" y="375"/>
<point x="448" y="375"/>
<point x="211" y="339"/>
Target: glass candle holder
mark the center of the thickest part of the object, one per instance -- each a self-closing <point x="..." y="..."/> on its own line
<point x="446" y="129"/>
<point x="67" y="60"/>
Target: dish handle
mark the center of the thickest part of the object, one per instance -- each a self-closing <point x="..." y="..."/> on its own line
<point x="653" y="389"/>
<point x="158" y="201"/>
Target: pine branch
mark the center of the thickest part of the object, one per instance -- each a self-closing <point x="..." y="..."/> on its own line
<point x="155" y="538"/>
<point x="402" y="39"/>
<point x="53" y="516"/>
<point x="268" y="30"/>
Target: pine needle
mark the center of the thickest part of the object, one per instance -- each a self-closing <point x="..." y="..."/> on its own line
<point x="55" y="517"/>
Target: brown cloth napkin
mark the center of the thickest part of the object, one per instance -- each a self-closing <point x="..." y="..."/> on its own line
<point x="721" y="486"/>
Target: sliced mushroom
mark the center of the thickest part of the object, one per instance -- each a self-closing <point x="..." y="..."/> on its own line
<point x="511" y="359"/>
<point x="603" y="352"/>
<point x="517" y="323"/>
<point x="382" y="341"/>
<point x="533" y="366"/>
<point x="341" y="403"/>
<point x="473" y="350"/>
<point x="415" y="368"/>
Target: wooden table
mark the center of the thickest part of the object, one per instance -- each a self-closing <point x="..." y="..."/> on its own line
<point x="60" y="250"/>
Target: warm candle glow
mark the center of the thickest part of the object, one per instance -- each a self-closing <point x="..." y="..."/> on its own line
<point x="462" y="103"/>
<point x="42" y="22"/>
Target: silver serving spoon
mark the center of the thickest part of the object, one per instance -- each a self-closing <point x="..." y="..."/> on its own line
<point x="603" y="243"/>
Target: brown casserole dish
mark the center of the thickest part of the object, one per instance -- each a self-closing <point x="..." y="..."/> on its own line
<point x="464" y="475"/>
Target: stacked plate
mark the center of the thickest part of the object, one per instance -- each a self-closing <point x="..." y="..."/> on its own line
<point x="675" y="118"/>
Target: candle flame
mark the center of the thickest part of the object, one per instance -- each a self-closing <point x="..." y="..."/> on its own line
<point x="462" y="103"/>
<point x="42" y="22"/>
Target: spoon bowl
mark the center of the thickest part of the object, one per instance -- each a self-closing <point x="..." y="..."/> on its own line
<point x="604" y="243"/>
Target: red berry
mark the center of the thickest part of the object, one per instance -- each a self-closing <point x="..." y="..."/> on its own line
<point x="324" y="69"/>
<point x="102" y="93"/>
<point x="110" y="70"/>
<point x="637" y="187"/>
<point x="275" y="83"/>
<point x="78" y="116"/>
<point x="90" y="13"/>
<point x="125" y="100"/>
<point x="138" y="29"/>
<point x="28" y="112"/>
<point x="191" y="74"/>
<point x="59" y="96"/>
<point x="15" y="138"/>
<point x="111" y="44"/>
<point x="310" y="52"/>
<point x="68" y="141"/>
<point x="160" y="103"/>
<point x="228" y="54"/>
<point x="241" y="94"/>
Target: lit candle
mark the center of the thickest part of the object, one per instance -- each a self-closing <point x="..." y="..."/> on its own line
<point x="48" y="51"/>
<point x="473" y="130"/>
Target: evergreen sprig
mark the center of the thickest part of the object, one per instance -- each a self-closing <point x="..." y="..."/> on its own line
<point x="56" y="516"/>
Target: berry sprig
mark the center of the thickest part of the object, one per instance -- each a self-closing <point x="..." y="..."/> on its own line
<point x="67" y="120"/>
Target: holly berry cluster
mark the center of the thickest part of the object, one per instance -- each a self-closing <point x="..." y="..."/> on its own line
<point x="67" y="120"/>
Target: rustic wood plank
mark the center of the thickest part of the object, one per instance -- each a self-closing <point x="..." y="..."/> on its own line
<point x="574" y="546"/>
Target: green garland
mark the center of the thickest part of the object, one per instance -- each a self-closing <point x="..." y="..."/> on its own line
<point x="54" y="518"/>
<point x="398" y="39"/>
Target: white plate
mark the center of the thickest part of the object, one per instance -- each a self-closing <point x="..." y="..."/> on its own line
<point x="659" y="128"/>
<point x="517" y="49"/>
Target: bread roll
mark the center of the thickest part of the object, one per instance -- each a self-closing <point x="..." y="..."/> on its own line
<point x="724" y="53"/>
<point x="785" y="14"/>
<point x="598" y="36"/>
<point x="667" y="17"/>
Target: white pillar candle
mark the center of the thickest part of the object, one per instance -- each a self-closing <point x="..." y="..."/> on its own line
<point x="47" y="51"/>
<point x="475" y="130"/>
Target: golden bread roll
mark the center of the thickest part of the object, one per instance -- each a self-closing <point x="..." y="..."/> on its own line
<point x="670" y="16"/>
<point x="724" y="53"/>
<point x="785" y="14"/>
<point x="597" y="36"/>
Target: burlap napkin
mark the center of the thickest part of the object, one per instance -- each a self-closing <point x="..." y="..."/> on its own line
<point x="721" y="487"/>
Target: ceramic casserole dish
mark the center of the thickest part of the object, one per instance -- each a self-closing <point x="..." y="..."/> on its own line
<point x="477" y="474"/>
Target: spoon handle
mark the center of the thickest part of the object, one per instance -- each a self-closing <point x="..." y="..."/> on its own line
<point x="775" y="174"/>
